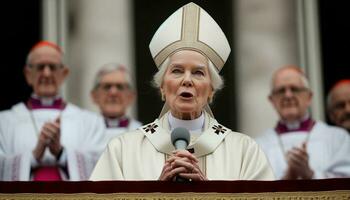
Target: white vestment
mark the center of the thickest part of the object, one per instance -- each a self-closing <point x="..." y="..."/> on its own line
<point x="112" y="132"/>
<point x="222" y="153"/>
<point x="82" y="136"/>
<point x="328" y="148"/>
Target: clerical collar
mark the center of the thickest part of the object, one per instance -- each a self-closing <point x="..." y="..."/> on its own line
<point x="36" y="102"/>
<point x="305" y="125"/>
<point x="122" y="122"/>
<point x="195" y="125"/>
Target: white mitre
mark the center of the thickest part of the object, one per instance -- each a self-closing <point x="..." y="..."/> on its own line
<point x="190" y="28"/>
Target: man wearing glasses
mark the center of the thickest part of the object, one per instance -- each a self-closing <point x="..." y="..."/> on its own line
<point x="114" y="93"/>
<point x="46" y="138"/>
<point x="299" y="147"/>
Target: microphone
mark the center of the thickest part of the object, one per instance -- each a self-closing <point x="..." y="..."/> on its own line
<point x="180" y="138"/>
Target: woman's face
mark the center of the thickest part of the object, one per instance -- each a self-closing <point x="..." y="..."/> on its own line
<point x="187" y="84"/>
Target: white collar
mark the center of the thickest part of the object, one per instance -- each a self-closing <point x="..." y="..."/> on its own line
<point x="115" y="122"/>
<point x="46" y="101"/>
<point x="194" y="125"/>
<point x="210" y="137"/>
<point x="296" y="124"/>
<point x="112" y="122"/>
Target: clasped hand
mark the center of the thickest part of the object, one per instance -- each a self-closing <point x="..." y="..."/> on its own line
<point x="49" y="137"/>
<point x="182" y="163"/>
<point x="298" y="164"/>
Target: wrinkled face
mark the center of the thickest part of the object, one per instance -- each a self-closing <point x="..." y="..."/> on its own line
<point x="45" y="72"/>
<point x="289" y="96"/>
<point x="113" y="94"/>
<point x="340" y="106"/>
<point x="187" y="84"/>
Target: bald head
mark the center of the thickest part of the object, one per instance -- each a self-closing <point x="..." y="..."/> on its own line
<point x="44" y="70"/>
<point x="338" y="104"/>
<point x="44" y="46"/>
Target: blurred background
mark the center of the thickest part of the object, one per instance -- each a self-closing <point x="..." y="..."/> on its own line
<point x="264" y="35"/>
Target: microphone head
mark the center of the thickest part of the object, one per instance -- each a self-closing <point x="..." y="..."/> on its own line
<point x="180" y="134"/>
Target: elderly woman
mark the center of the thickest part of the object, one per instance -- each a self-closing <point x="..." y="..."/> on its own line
<point x="189" y="49"/>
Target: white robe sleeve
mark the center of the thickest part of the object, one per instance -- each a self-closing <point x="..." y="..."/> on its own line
<point x="255" y="165"/>
<point x="13" y="167"/>
<point x="82" y="159"/>
<point x="109" y="165"/>
<point x="339" y="164"/>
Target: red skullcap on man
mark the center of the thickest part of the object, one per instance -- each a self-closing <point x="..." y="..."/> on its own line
<point x="48" y="44"/>
<point x="340" y="83"/>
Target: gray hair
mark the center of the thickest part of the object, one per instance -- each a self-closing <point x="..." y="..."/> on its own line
<point x="109" y="68"/>
<point x="217" y="82"/>
<point x="303" y="77"/>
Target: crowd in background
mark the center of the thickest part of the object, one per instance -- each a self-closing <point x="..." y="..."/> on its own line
<point x="58" y="133"/>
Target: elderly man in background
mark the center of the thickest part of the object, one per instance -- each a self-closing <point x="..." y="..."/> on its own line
<point x="47" y="138"/>
<point x="300" y="147"/>
<point x="114" y="93"/>
<point x="338" y="104"/>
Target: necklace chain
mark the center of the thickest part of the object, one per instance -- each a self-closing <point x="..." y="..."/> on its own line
<point x="36" y="129"/>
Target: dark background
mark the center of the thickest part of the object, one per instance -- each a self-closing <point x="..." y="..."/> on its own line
<point x="21" y="28"/>
<point x="335" y="33"/>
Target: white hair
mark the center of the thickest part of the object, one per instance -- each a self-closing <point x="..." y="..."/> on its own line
<point x="109" y="68"/>
<point x="217" y="82"/>
<point x="303" y="77"/>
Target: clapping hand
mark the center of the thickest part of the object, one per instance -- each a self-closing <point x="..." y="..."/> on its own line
<point x="50" y="136"/>
<point x="298" y="164"/>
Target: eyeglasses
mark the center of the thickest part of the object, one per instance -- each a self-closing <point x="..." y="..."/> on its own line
<point x="294" y="90"/>
<point x="108" y="86"/>
<point x="41" y="66"/>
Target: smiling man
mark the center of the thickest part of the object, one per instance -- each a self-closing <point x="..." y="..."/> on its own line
<point x="114" y="93"/>
<point x="46" y="138"/>
<point x="300" y="147"/>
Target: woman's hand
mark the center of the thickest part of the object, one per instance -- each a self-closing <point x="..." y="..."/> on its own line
<point x="182" y="163"/>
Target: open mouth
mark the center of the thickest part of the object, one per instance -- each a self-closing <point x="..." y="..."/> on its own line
<point x="186" y="95"/>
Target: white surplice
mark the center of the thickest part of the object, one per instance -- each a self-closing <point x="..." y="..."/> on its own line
<point x="82" y="136"/>
<point x="112" y="132"/>
<point x="328" y="148"/>
<point x="222" y="153"/>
